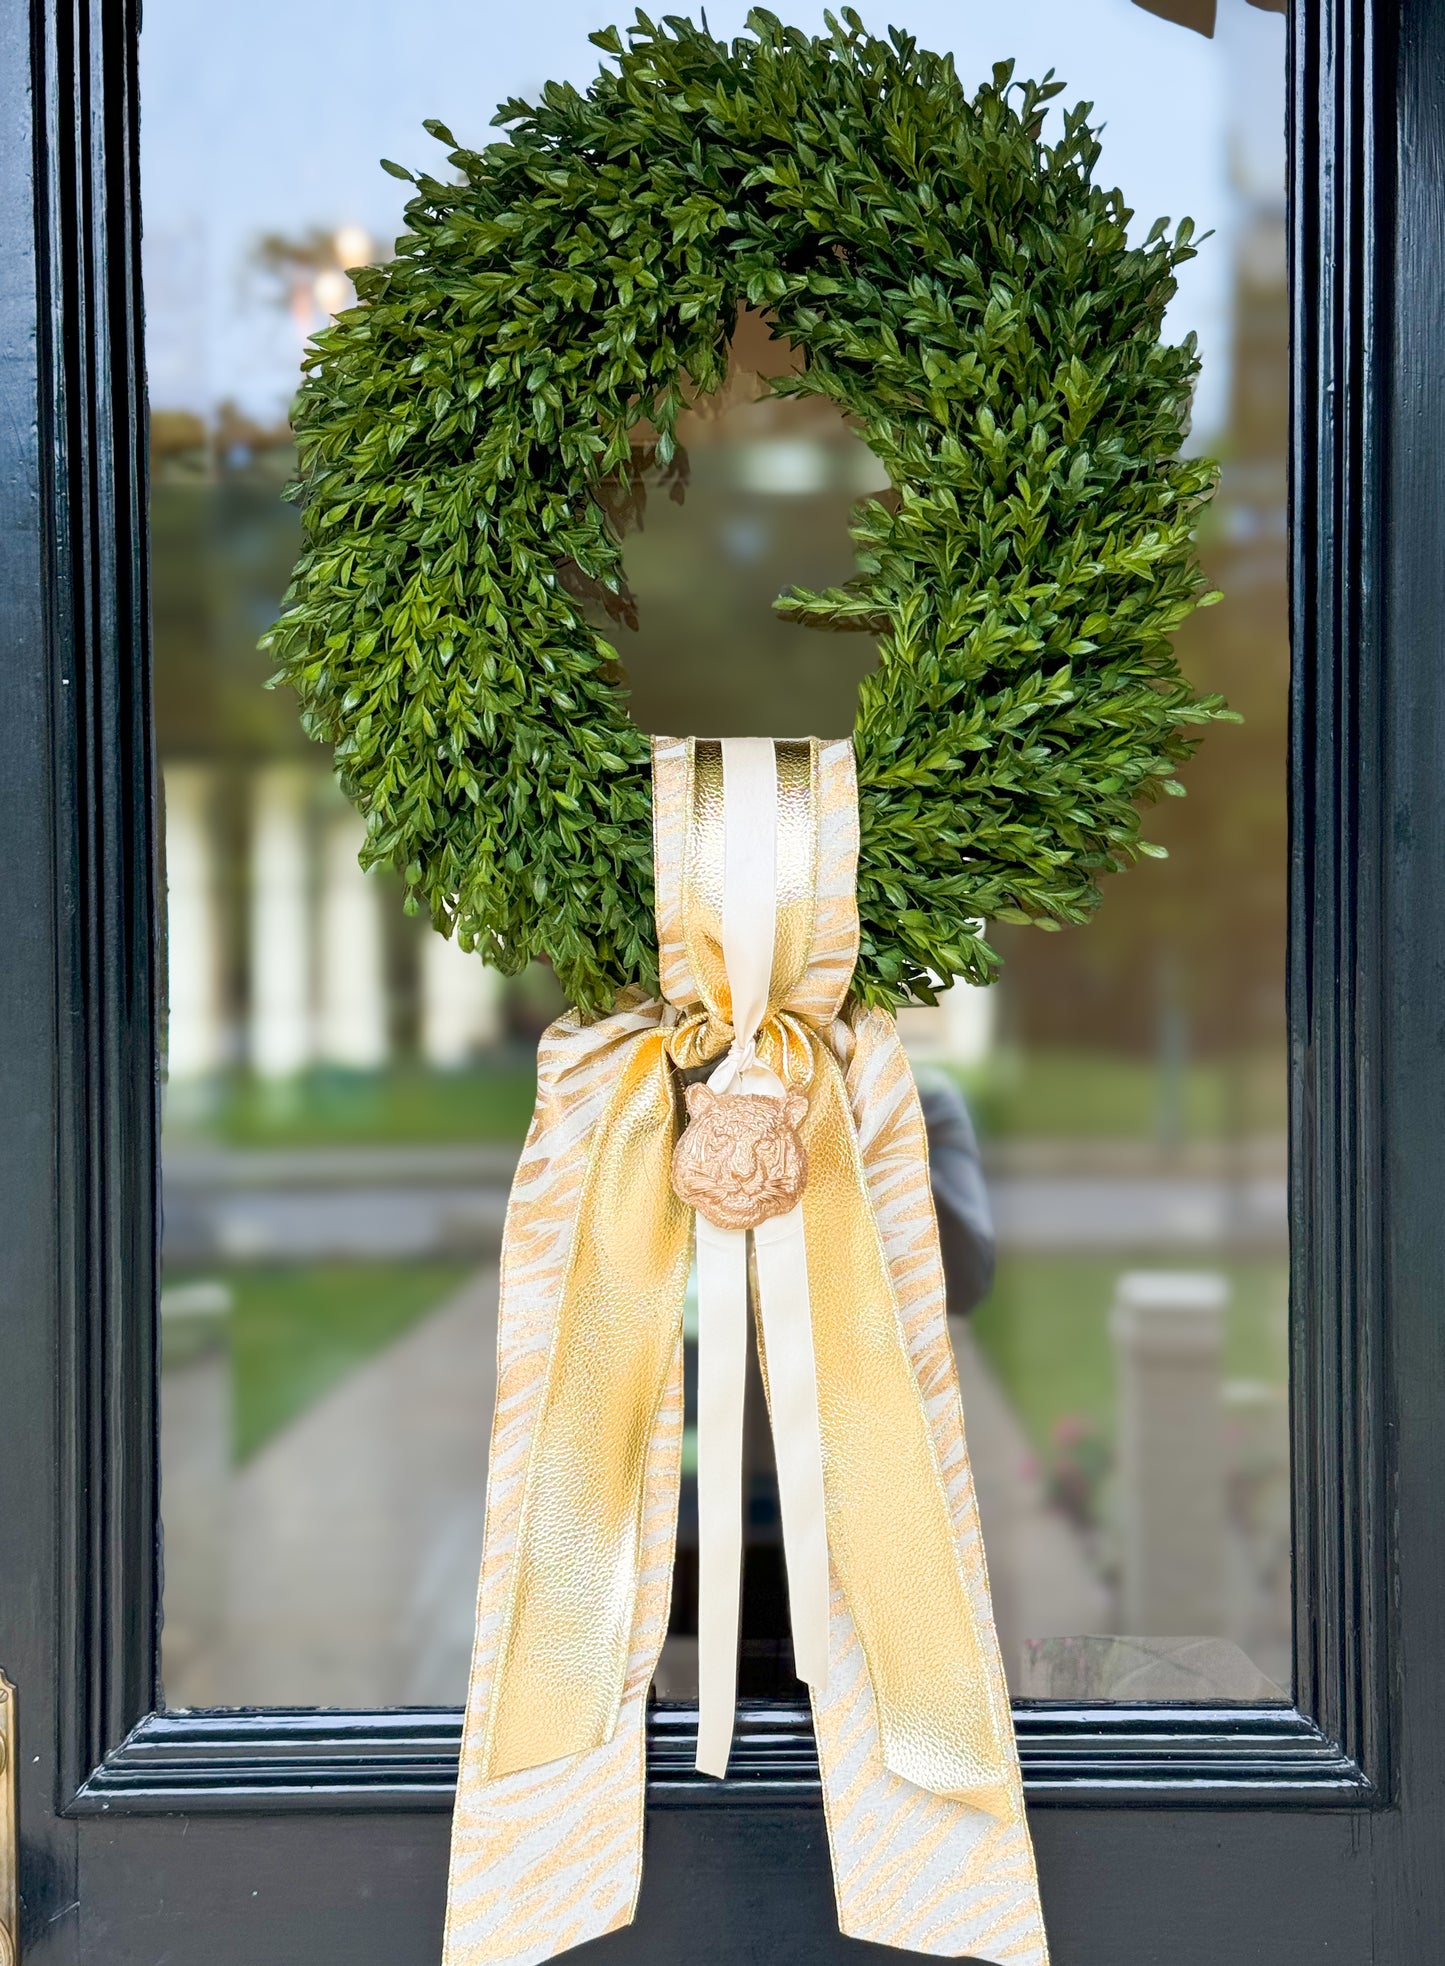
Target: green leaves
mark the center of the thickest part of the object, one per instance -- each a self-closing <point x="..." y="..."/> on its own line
<point x="960" y="288"/>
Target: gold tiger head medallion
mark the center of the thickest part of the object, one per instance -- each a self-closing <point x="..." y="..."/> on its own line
<point x="740" y="1159"/>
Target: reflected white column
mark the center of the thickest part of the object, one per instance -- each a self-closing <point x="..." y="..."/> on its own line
<point x="968" y="1013"/>
<point x="351" y="962"/>
<point x="195" y="1038"/>
<point x="957" y="1030"/>
<point x="461" y="1002"/>
<point x="1168" y="1329"/>
<point x="281" y="1033"/>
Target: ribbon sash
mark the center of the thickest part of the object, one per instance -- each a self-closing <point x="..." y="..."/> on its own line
<point x="926" y="1828"/>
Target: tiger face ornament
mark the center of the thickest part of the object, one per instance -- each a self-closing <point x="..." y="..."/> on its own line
<point x="739" y="1159"/>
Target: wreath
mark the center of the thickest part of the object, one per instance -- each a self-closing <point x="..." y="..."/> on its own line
<point x="958" y="286"/>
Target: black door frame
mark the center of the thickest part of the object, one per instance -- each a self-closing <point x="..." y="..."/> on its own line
<point x="1286" y="1835"/>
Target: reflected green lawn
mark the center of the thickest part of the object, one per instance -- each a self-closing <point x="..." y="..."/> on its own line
<point x="296" y="1332"/>
<point x="1046" y="1095"/>
<point x="1101" y="1095"/>
<point x="1045" y="1331"/>
<point x="404" y="1107"/>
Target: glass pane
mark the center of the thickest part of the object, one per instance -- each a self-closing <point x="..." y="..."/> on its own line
<point x="346" y="1093"/>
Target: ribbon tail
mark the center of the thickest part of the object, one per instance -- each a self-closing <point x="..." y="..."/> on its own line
<point x="942" y="1706"/>
<point x="722" y="1356"/>
<point x="786" y="1315"/>
<point x="786" y="1319"/>
<point x="581" y="1504"/>
<point x="567" y="1630"/>
<point x="920" y="1773"/>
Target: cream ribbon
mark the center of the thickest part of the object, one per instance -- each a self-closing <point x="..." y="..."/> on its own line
<point x="750" y="808"/>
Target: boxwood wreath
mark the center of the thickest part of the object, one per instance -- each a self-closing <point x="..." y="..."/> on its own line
<point x="958" y="286"/>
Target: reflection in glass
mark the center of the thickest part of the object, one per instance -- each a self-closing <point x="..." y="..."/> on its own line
<point x="346" y="1092"/>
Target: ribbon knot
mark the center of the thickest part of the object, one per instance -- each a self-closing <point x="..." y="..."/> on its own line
<point x="741" y="1056"/>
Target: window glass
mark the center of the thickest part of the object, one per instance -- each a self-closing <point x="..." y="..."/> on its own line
<point x="346" y="1093"/>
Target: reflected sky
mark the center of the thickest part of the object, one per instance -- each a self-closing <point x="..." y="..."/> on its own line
<point x="274" y="117"/>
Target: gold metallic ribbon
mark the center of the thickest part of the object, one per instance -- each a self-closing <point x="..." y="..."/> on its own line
<point x="926" y="1827"/>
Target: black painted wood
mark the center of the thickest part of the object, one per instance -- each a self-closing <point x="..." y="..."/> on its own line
<point x="101" y="822"/>
<point x="1410" y="1890"/>
<point x="1085" y="1757"/>
<point x="1278" y="1835"/>
<point x="1121" y="1888"/>
<point x="1340" y="278"/>
<point x="1338" y="1570"/>
<point x="29" y="907"/>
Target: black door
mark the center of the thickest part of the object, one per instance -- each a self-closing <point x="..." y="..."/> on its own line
<point x="1239" y="1762"/>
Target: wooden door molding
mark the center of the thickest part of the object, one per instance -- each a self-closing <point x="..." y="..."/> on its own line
<point x="1328" y="1750"/>
<point x="108" y="948"/>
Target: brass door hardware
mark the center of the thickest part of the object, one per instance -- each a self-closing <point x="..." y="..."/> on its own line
<point x="9" y="1833"/>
